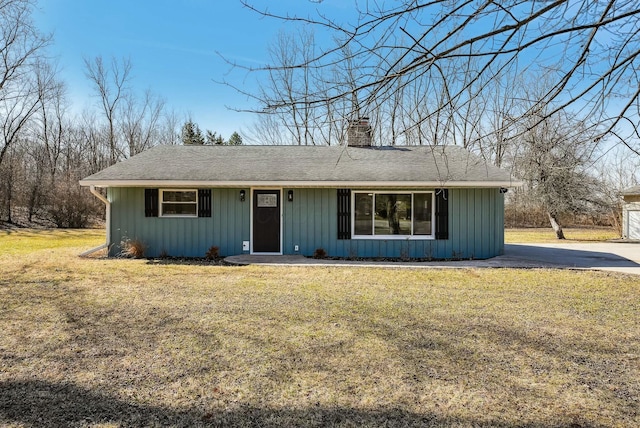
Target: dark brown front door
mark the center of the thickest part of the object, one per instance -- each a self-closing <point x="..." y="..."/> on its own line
<point x="266" y="221"/>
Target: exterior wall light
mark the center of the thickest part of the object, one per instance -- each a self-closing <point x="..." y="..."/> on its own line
<point x="290" y="195"/>
<point x="242" y="195"/>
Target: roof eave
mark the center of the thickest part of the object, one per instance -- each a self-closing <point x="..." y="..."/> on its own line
<point x="315" y="184"/>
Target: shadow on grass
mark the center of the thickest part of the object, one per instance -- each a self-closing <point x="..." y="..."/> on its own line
<point x="43" y="404"/>
<point x="187" y="261"/>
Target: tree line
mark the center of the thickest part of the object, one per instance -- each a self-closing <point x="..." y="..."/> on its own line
<point x="192" y="135"/>
<point x="45" y="149"/>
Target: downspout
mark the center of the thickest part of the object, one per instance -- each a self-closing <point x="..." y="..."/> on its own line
<point x="107" y="204"/>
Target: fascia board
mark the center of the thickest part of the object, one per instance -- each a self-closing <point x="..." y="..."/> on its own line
<point x="315" y="184"/>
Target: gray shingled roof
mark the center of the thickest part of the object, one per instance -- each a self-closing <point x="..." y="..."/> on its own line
<point x="318" y="166"/>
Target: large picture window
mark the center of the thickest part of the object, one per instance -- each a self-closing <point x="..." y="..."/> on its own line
<point x="393" y="214"/>
<point x="178" y="203"/>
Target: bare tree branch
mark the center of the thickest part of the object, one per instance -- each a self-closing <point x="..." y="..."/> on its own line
<point x="588" y="50"/>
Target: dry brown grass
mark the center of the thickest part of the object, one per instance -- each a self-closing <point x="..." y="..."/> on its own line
<point x="547" y="235"/>
<point x="96" y="342"/>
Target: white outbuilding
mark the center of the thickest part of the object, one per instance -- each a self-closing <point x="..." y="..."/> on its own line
<point x="631" y="213"/>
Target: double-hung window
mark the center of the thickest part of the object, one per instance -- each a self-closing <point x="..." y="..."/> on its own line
<point x="178" y="203"/>
<point x="393" y="214"/>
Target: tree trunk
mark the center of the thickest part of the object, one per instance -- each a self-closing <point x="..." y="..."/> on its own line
<point x="9" y="196"/>
<point x="555" y="225"/>
<point x="33" y="201"/>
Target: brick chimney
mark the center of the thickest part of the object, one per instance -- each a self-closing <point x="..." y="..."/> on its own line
<point x="359" y="133"/>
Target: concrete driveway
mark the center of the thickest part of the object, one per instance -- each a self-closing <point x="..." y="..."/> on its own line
<point x="618" y="257"/>
<point x="611" y="256"/>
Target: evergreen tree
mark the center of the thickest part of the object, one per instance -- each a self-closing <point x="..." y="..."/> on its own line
<point x="191" y="134"/>
<point x="213" y="139"/>
<point x="235" y="139"/>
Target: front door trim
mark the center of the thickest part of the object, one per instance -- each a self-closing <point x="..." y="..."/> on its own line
<point x="280" y="190"/>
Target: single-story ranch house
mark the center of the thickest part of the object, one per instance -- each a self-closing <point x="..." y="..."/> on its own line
<point x="426" y="202"/>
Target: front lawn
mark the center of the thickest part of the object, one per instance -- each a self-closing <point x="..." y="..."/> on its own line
<point x="547" y="235"/>
<point x="96" y="342"/>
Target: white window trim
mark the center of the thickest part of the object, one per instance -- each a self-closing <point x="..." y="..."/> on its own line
<point x="161" y="202"/>
<point x="411" y="237"/>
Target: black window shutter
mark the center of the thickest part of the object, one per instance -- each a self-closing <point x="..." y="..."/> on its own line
<point x="442" y="214"/>
<point x="151" y="202"/>
<point x="344" y="214"/>
<point x="204" y="202"/>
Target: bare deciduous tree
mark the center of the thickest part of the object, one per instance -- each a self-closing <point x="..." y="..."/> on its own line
<point x="553" y="158"/>
<point x="50" y="129"/>
<point x="110" y="83"/>
<point x="15" y="113"/>
<point x="95" y="138"/>
<point x="140" y="120"/>
<point x="20" y="47"/>
<point x="291" y="83"/>
<point x="589" y="49"/>
<point x="169" y="128"/>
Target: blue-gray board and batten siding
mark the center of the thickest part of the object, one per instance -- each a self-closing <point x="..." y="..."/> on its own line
<point x="475" y="225"/>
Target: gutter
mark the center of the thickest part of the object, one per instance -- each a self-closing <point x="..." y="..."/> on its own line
<point x="107" y="204"/>
<point x="297" y="184"/>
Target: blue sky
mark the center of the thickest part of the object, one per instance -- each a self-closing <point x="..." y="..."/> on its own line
<point x="172" y="46"/>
